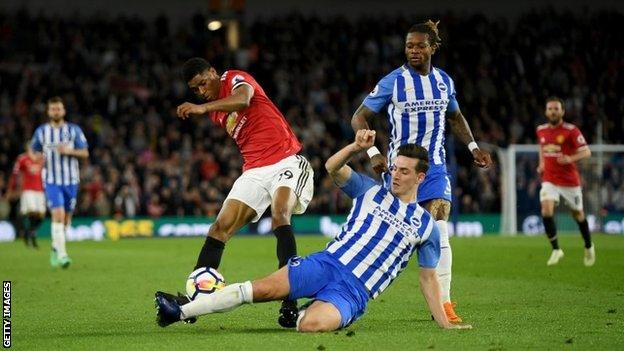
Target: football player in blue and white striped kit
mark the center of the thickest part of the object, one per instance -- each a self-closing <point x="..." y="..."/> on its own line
<point x="385" y="227"/>
<point x="419" y="100"/>
<point x="62" y="144"/>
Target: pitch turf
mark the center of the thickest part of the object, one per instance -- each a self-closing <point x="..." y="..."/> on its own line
<point x="502" y="286"/>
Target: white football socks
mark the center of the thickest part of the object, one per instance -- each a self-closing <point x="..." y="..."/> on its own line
<point x="445" y="263"/>
<point x="222" y="300"/>
<point x="58" y="239"/>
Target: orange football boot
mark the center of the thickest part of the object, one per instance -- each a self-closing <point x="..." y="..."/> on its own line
<point x="449" y="309"/>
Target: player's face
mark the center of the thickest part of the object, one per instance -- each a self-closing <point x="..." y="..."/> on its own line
<point x="206" y="85"/>
<point x="554" y="112"/>
<point x="56" y="111"/>
<point x="418" y="50"/>
<point x="405" y="178"/>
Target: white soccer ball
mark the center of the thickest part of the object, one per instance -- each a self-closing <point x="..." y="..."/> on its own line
<point x="203" y="281"/>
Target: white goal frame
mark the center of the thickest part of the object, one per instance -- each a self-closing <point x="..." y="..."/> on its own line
<point x="507" y="159"/>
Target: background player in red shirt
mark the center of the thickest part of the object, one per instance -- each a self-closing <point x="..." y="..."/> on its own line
<point x="27" y="171"/>
<point x="273" y="174"/>
<point x="561" y="145"/>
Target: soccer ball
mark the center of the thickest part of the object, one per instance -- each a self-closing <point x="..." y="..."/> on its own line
<point x="203" y="281"/>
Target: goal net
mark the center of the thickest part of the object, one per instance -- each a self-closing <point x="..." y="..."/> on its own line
<point x="603" y="191"/>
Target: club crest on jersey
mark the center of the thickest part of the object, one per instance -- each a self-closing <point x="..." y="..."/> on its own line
<point x="415" y="222"/>
<point x="560" y="138"/>
<point x="442" y="87"/>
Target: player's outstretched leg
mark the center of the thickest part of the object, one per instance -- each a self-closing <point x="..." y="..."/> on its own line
<point x="233" y="215"/>
<point x="284" y="201"/>
<point x="271" y="288"/>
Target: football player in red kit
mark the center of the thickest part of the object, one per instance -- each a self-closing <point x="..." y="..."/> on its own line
<point x="27" y="168"/>
<point x="274" y="174"/>
<point x="561" y="145"/>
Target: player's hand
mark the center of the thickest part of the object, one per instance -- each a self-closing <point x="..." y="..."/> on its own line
<point x="459" y="326"/>
<point x="65" y="150"/>
<point x="379" y="163"/>
<point x="187" y="110"/>
<point x="482" y="158"/>
<point x="564" y="160"/>
<point x="364" y="139"/>
<point x="540" y="169"/>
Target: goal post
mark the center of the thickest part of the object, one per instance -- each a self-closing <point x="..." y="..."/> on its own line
<point x="520" y="185"/>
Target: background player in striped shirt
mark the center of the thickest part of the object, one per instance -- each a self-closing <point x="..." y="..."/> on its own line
<point x="274" y="174"/>
<point x="383" y="230"/>
<point x="419" y="99"/>
<point x="27" y="172"/>
<point x="62" y="144"/>
<point x="561" y="145"/>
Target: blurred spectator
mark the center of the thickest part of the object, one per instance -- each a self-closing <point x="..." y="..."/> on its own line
<point x="120" y="79"/>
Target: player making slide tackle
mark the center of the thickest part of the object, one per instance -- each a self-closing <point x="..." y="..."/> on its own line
<point x="385" y="227"/>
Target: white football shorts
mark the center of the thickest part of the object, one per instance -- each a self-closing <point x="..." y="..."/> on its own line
<point x="256" y="187"/>
<point x="32" y="202"/>
<point x="572" y="195"/>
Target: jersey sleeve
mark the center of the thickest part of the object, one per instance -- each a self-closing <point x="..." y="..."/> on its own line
<point x="237" y="78"/>
<point x="429" y="251"/>
<point x="381" y="94"/>
<point x="578" y="140"/>
<point x="453" y="106"/>
<point x="80" y="142"/>
<point x="357" y="185"/>
<point x="37" y="141"/>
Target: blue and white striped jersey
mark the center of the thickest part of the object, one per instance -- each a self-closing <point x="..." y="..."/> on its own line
<point x="417" y="107"/>
<point x="59" y="169"/>
<point x="382" y="233"/>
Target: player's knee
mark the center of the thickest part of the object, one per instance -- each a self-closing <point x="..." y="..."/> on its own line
<point x="547" y="212"/>
<point x="280" y="216"/>
<point x="313" y="324"/>
<point x="579" y="216"/>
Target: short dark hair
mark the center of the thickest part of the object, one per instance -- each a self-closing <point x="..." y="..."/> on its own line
<point x="55" y="100"/>
<point x="431" y="28"/>
<point x="418" y="152"/>
<point x="556" y="99"/>
<point x="193" y="67"/>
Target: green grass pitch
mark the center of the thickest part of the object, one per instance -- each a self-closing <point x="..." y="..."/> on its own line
<point x="502" y="286"/>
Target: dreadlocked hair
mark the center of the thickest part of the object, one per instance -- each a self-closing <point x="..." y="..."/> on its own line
<point x="431" y="28"/>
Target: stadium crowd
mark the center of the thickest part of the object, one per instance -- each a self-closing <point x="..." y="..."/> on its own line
<point x="120" y="81"/>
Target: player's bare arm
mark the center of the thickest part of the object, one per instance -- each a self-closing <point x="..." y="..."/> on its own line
<point x="238" y="100"/>
<point x="360" y="121"/>
<point x="581" y="153"/>
<point x="430" y="288"/>
<point x="461" y="129"/>
<point x="337" y="164"/>
<point x="540" y="166"/>
<point x="67" y="151"/>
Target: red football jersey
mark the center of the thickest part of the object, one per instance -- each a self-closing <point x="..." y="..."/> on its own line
<point x="556" y="141"/>
<point x="260" y="130"/>
<point x="30" y="170"/>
